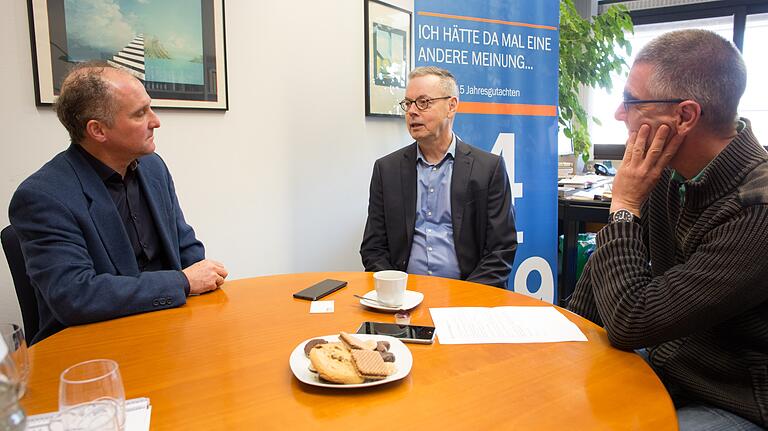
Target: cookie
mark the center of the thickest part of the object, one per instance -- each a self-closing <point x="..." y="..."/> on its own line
<point x="390" y="367"/>
<point x="387" y="356"/>
<point x="382" y="346"/>
<point x="333" y="363"/>
<point x="353" y="343"/>
<point x="369" y="364"/>
<point x="312" y="343"/>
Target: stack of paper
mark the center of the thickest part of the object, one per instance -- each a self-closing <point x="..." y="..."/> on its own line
<point x="137" y="413"/>
<point x="585" y="181"/>
<point x="564" y="169"/>
<point x="563" y="191"/>
<point x="483" y="325"/>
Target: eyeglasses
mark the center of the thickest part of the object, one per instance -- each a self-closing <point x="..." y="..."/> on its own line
<point x="629" y="102"/>
<point x="422" y="103"/>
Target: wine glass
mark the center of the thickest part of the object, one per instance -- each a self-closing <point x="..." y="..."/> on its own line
<point x="91" y="397"/>
<point x="17" y="350"/>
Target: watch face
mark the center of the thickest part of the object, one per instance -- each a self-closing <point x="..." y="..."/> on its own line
<point x="623" y="216"/>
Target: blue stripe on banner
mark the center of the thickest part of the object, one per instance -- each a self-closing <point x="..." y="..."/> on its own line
<point x="504" y="54"/>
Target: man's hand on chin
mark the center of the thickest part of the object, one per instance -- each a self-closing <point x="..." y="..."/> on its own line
<point x="642" y="166"/>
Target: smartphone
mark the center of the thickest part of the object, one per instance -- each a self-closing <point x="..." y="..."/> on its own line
<point x="319" y="290"/>
<point x="406" y="333"/>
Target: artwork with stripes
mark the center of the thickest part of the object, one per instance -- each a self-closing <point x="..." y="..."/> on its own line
<point x="174" y="47"/>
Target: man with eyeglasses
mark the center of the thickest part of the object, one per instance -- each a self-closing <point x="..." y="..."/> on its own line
<point x="439" y="206"/>
<point x="680" y="272"/>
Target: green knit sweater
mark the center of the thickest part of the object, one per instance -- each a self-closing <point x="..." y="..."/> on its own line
<point x="690" y="283"/>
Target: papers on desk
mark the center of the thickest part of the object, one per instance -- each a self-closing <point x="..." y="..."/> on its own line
<point x="484" y="325"/>
<point x="593" y="193"/>
<point x="137" y="413"/>
<point x="585" y="187"/>
<point x="585" y="181"/>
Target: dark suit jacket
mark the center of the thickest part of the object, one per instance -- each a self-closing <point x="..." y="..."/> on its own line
<point x="481" y="210"/>
<point x="76" y="249"/>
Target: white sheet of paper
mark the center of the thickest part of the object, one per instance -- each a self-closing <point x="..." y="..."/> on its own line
<point x="137" y="415"/>
<point x="484" y="325"/>
<point x="321" y="307"/>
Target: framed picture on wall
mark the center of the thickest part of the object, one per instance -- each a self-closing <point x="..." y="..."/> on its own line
<point x="387" y="57"/>
<point x="176" y="48"/>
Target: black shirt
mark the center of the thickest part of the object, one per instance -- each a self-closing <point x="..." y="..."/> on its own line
<point x="134" y="211"/>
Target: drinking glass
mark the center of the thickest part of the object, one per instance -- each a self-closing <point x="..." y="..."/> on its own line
<point x="91" y="397"/>
<point x="17" y="350"/>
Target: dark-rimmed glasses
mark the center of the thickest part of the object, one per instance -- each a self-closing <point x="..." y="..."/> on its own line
<point x="422" y="103"/>
<point x="628" y="102"/>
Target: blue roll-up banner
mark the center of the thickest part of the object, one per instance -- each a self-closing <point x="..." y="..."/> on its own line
<point x="504" y="54"/>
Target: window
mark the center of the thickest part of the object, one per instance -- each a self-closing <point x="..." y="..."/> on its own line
<point x="743" y="21"/>
<point x="754" y="103"/>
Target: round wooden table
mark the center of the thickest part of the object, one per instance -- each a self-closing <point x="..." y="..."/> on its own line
<point x="221" y="362"/>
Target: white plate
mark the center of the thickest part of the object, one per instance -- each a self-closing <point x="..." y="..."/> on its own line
<point x="300" y="362"/>
<point x="411" y="300"/>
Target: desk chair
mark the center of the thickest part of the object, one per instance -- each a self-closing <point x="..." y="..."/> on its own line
<point x="24" y="290"/>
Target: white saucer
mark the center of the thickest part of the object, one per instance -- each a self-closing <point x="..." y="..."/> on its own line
<point x="411" y="300"/>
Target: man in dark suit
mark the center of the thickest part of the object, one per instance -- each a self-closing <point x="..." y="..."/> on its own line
<point x="439" y="206"/>
<point x="100" y="226"/>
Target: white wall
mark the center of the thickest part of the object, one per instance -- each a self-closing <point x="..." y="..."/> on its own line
<point x="277" y="184"/>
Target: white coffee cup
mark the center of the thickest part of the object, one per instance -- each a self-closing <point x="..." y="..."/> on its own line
<point x="390" y="287"/>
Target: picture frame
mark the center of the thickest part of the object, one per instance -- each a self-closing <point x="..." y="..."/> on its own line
<point x="388" y="58"/>
<point x="176" y="48"/>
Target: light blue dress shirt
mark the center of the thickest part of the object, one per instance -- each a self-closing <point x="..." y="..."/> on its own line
<point x="432" y="251"/>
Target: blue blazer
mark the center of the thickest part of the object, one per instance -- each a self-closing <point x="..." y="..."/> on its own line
<point x="77" y="252"/>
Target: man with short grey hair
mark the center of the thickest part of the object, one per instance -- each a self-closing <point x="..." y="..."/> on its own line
<point x="100" y="225"/>
<point x="680" y="272"/>
<point x="439" y="206"/>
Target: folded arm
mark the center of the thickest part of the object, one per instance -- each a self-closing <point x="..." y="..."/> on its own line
<point x="722" y="278"/>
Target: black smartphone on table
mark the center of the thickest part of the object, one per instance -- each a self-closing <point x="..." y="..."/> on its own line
<point x="406" y="333"/>
<point x="319" y="290"/>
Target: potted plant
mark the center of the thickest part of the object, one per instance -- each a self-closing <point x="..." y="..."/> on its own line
<point x="588" y="56"/>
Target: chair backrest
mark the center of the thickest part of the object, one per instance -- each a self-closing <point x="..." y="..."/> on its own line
<point x="24" y="290"/>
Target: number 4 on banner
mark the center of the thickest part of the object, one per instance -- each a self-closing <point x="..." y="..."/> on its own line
<point x="505" y="146"/>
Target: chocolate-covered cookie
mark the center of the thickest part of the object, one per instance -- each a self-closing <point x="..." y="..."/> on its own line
<point x="382" y="346"/>
<point x="387" y="356"/>
<point x="312" y="343"/>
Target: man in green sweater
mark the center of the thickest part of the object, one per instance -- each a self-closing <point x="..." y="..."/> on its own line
<point x="680" y="272"/>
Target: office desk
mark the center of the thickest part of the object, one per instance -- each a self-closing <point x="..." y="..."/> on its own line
<point x="221" y="362"/>
<point x="573" y="214"/>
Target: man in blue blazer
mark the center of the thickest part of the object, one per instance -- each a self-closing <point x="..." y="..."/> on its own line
<point x="439" y="206"/>
<point x="100" y="226"/>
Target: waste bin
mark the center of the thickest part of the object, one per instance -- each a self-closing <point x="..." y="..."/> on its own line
<point x="585" y="246"/>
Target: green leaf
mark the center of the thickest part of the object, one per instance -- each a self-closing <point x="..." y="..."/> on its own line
<point x="590" y="51"/>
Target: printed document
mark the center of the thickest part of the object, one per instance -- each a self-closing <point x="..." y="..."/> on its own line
<point x="484" y="325"/>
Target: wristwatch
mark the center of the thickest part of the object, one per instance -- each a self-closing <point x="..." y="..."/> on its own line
<point x="622" y="216"/>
